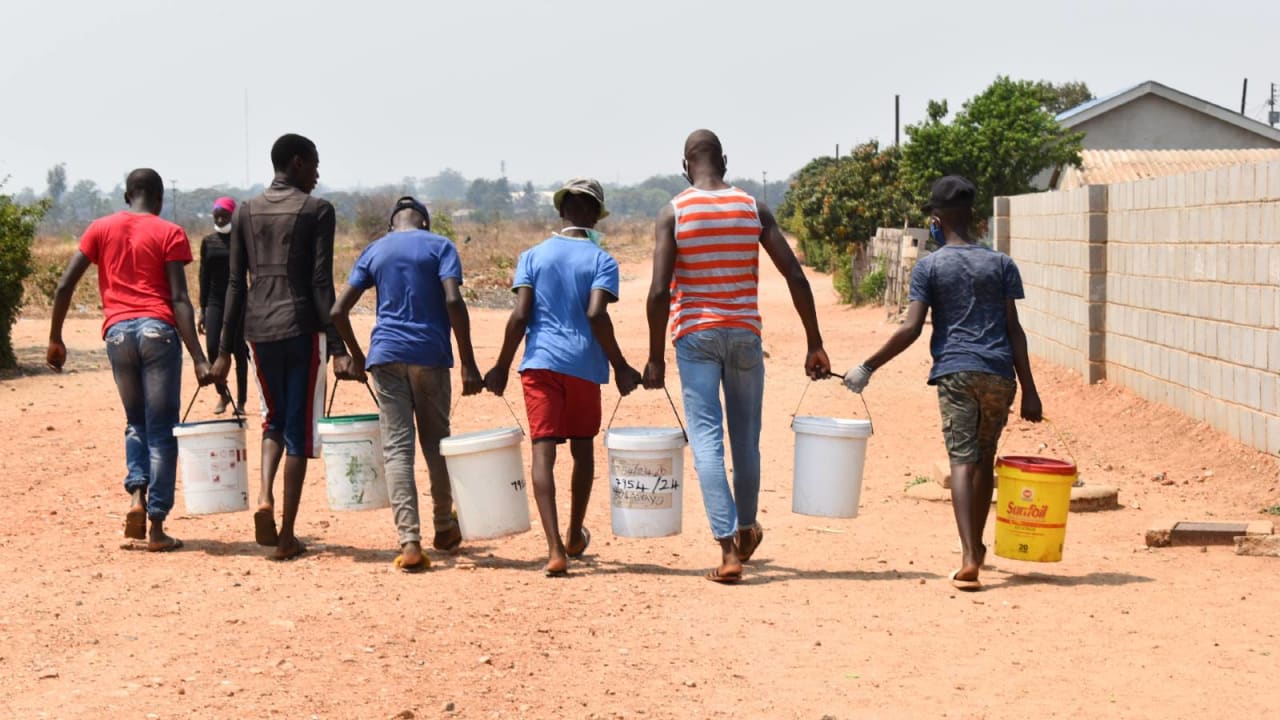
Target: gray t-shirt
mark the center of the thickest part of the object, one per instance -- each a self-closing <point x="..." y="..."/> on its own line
<point x="967" y="287"/>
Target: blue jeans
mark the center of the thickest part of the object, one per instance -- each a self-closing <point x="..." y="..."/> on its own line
<point x="146" y="360"/>
<point x="733" y="358"/>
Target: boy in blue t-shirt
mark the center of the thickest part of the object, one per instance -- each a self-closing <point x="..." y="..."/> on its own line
<point x="978" y="349"/>
<point x="563" y="289"/>
<point x="417" y="275"/>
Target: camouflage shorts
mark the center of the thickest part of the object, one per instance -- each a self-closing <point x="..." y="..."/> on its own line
<point x="975" y="408"/>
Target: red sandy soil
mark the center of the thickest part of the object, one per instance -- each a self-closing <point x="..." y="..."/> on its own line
<point x="837" y="618"/>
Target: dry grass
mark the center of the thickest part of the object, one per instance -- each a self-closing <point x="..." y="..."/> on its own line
<point x="488" y="253"/>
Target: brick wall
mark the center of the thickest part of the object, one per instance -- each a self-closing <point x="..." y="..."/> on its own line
<point x="1168" y="286"/>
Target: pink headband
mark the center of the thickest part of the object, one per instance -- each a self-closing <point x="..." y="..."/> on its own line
<point x="225" y="203"/>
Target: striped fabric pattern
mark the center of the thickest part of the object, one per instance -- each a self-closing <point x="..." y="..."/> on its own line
<point x="717" y="268"/>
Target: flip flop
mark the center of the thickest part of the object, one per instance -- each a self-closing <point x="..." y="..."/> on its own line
<point x="415" y="568"/>
<point x="173" y="544"/>
<point x="449" y="540"/>
<point x="135" y="523"/>
<point x="755" y="536"/>
<point x="264" y="528"/>
<point x="965" y="585"/>
<point x="556" y="573"/>
<point x="586" y="543"/>
<point x="302" y="550"/>
<point x="714" y="575"/>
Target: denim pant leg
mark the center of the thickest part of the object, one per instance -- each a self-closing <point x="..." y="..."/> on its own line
<point x="126" y="368"/>
<point x="160" y="350"/>
<point x="431" y="402"/>
<point x="744" y="406"/>
<point x="395" y="419"/>
<point x="700" y="358"/>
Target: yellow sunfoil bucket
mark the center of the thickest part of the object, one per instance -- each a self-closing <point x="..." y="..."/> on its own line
<point x="1032" y="501"/>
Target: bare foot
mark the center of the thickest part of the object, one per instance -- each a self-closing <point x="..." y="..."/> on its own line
<point x="135" y="521"/>
<point x="158" y="541"/>
<point x="557" y="564"/>
<point x="288" y="548"/>
<point x="411" y="554"/>
<point x="264" y="526"/>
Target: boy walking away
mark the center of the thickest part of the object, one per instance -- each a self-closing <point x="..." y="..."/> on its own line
<point x="978" y="349"/>
<point x="563" y="289"/>
<point x="283" y="239"/>
<point x="706" y="270"/>
<point x="143" y="285"/>
<point x="418" y="277"/>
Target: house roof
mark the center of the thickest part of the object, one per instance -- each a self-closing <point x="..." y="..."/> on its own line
<point x="1103" y="167"/>
<point x="1087" y="111"/>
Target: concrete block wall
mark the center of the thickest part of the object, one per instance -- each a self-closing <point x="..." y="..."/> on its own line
<point x="1168" y="286"/>
<point x="1058" y="240"/>
<point x="1193" y="296"/>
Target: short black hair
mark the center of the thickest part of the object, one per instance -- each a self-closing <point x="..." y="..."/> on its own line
<point x="704" y="145"/>
<point x="144" y="181"/>
<point x="288" y="147"/>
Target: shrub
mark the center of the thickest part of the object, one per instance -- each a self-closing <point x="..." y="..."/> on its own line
<point x="17" y="231"/>
<point x="871" y="289"/>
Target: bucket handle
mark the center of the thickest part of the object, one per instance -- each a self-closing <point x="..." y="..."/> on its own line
<point x="510" y="409"/>
<point x="675" y="412"/>
<point x="334" y="394"/>
<point x="829" y="376"/>
<point x="1053" y="427"/>
<point x="236" y="411"/>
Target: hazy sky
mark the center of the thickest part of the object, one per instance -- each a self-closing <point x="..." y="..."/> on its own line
<point x="554" y="89"/>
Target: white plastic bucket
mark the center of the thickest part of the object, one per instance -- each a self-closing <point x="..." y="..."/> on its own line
<point x="830" y="454"/>
<point x="215" y="469"/>
<point x="486" y="472"/>
<point x="355" y="477"/>
<point x="646" y="476"/>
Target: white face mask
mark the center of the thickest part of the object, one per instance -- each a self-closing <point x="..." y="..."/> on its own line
<point x="223" y="229"/>
<point x="595" y="236"/>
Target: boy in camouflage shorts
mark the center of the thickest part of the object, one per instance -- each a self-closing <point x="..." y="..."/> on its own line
<point x="978" y="349"/>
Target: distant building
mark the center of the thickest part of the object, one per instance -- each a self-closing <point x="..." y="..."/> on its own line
<point x="1152" y="130"/>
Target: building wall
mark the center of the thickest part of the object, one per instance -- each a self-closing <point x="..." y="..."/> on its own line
<point x="1154" y="123"/>
<point x="1182" y="280"/>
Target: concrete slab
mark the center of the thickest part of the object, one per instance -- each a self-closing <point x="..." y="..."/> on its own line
<point x="1187" y="532"/>
<point x="1260" y="527"/>
<point x="933" y="493"/>
<point x="1258" y="545"/>
<point x="1091" y="498"/>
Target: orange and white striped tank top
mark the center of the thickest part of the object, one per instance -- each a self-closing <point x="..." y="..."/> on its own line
<point x="717" y="268"/>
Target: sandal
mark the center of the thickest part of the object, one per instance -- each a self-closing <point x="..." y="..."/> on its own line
<point x="586" y="543"/>
<point x="749" y="539"/>
<point x="715" y="576"/>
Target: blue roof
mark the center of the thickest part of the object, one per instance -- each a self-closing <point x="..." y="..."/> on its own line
<point x="1067" y="114"/>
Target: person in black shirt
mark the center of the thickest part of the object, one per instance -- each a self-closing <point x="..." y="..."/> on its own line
<point x="215" y="269"/>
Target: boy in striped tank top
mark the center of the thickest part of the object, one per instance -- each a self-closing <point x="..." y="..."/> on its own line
<point x="705" y="277"/>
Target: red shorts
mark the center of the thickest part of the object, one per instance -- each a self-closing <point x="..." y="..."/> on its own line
<point x="560" y="406"/>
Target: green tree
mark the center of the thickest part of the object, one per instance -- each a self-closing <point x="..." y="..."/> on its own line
<point x="1000" y="140"/>
<point x="1064" y="96"/>
<point x="17" y="231"/>
<point x="56" y="181"/>
<point x="448" y="184"/>
<point x="835" y="206"/>
<point x="490" y="200"/>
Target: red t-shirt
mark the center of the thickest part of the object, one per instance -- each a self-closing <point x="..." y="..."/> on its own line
<point x="130" y="250"/>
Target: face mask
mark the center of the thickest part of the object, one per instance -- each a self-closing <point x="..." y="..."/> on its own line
<point x="935" y="232"/>
<point x="595" y="236"/>
<point x="222" y="229"/>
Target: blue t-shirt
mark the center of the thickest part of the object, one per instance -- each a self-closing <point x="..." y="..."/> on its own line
<point x="967" y="288"/>
<point x="562" y="271"/>
<point x="408" y="269"/>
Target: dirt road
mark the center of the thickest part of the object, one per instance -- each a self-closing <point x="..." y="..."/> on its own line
<point x="839" y="618"/>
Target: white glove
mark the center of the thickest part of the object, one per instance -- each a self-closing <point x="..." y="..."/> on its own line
<point x="856" y="379"/>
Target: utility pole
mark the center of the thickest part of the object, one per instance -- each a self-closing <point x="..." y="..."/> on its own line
<point x="897" y="118"/>
<point x="175" y="200"/>
<point x="246" y="138"/>
<point x="1273" y="117"/>
<point x="764" y="185"/>
<point x="1244" y="95"/>
<point x="837" y="151"/>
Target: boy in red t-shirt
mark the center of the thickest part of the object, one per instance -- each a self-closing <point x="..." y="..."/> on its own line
<point x="140" y="261"/>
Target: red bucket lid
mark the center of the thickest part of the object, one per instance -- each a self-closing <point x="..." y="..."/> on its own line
<point x="1045" y="466"/>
